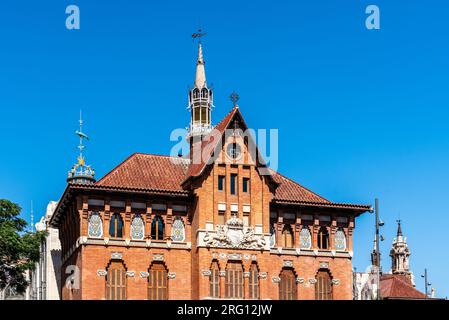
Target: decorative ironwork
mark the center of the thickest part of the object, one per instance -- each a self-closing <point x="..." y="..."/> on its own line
<point x="80" y="172"/>
<point x="234" y="97"/>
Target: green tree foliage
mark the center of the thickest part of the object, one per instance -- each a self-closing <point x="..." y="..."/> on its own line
<point x="19" y="249"/>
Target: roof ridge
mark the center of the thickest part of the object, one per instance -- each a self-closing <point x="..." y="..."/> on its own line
<point x="314" y="193"/>
<point x="160" y="155"/>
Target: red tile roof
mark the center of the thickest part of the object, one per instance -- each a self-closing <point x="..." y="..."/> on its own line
<point x="156" y="173"/>
<point x="147" y="172"/>
<point x="396" y="286"/>
<point x="289" y="190"/>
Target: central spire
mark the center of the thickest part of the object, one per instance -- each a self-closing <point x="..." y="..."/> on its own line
<point x="200" y="98"/>
<point x="400" y="254"/>
<point x="200" y="76"/>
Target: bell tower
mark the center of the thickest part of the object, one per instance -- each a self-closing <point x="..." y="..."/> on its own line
<point x="200" y="98"/>
<point x="400" y="254"/>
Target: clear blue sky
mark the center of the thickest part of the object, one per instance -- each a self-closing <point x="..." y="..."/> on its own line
<point x="360" y="113"/>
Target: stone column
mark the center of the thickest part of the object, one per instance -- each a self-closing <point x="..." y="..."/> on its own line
<point x="168" y="221"/>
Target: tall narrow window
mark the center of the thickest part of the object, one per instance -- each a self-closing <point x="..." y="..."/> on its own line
<point x="137" y="228"/>
<point x="157" y="282"/>
<point x="323" y="238"/>
<point x="95" y="228"/>
<point x="323" y="286"/>
<point x="287" y="237"/>
<point x="157" y="228"/>
<point x="287" y="286"/>
<point x="116" y="226"/>
<point x="221" y="183"/>
<point x="214" y="280"/>
<point x="245" y="186"/>
<point x="116" y="281"/>
<point x="253" y="282"/>
<point x="234" y="280"/>
<point x="233" y="184"/>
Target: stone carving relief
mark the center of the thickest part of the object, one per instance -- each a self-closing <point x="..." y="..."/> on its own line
<point x="299" y="280"/>
<point x="116" y="255"/>
<point x="158" y="257"/>
<point x="102" y="273"/>
<point x="288" y="263"/>
<point x="234" y="234"/>
<point x="207" y="273"/>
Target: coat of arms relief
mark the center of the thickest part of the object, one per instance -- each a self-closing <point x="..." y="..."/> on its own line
<point x="234" y="234"/>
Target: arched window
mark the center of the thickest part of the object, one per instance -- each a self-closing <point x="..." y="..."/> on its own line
<point x="323" y="286"/>
<point x="137" y="228"/>
<point x="196" y="93"/>
<point x="340" y="240"/>
<point x="157" y="282"/>
<point x="196" y="115"/>
<point x="214" y="280"/>
<point x="287" y="237"/>
<point x="234" y="280"/>
<point x="323" y="238"/>
<point x="287" y="285"/>
<point x="305" y="238"/>
<point x="116" y="226"/>
<point x="253" y="281"/>
<point x="116" y="281"/>
<point x="157" y="228"/>
<point x="204" y="93"/>
<point x="95" y="228"/>
<point x="177" y="230"/>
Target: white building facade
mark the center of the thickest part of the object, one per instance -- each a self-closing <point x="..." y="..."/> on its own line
<point x="45" y="278"/>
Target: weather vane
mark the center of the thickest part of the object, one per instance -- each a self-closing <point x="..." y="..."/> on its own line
<point x="82" y="136"/>
<point x="234" y="97"/>
<point x="198" y="35"/>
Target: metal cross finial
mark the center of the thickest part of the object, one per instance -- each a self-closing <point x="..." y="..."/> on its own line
<point x="198" y="35"/>
<point x="234" y="97"/>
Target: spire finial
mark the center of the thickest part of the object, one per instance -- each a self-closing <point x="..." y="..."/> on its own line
<point x="199" y="35"/>
<point x="399" y="227"/>
<point x="200" y="76"/>
<point x="80" y="173"/>
<point x="234" y="97"/>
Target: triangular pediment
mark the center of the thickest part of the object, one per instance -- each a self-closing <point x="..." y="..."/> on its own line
<point x="214" y="148"/>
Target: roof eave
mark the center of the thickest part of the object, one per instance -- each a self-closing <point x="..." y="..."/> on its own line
<point x="355" y="207"/>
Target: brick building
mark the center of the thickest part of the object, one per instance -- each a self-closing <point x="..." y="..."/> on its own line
<point x="217" y="223"/>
